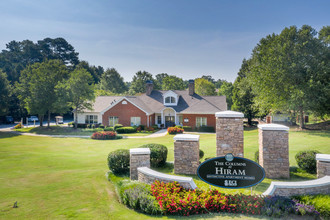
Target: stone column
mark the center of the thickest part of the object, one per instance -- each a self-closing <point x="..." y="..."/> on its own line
<point x="186" y="153"/>
<point x="229" y="133"/>
<point x="274" y="150"/>
<point x="323" y="165"/>
<point x="139" y="157"/>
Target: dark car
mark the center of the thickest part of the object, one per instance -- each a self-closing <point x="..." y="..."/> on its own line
<point x="9" y="119"/>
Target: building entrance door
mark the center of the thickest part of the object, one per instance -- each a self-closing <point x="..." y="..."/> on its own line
<point x="169" y="121"/>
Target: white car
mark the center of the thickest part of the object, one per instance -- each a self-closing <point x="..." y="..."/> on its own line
<point x="33" y="118"/>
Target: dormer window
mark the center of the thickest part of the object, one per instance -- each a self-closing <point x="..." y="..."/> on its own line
<point x="170" y="100"/>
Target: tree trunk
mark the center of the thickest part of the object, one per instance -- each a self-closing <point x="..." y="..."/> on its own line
<point x="48" y="118"/>
<point x="76" y="120"/>
<point x="301" y="116"/>
<point x="249" y="121"/>
<point x="41" y="120"/>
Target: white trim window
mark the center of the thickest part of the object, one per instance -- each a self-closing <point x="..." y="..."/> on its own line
<point x="201" y="121"/>
<point x="91" y="119"/>
<point x="170" y="100"/>
<point x="113" y="120"/>
<point x="159" y="119"/>
<point x="135" y="121"/>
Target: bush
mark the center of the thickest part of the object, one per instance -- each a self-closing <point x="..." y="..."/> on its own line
<point x="174" y="130"/>
<point x="150" y="129"/>
<point x="109" y="129"/>
<point x="320" y="202"/>
<point x="142" y="127"/>
<point x="118" y="161"/>
<point x="125" y="130"/>
<point x="205" y="129"/>
<point x="158" y="154"/>
<point x="306" y="160"/>
<point x="140" y="198"/>
<point x="104" y="135"/>
<point x="187" y="128"/>
<point x="18" y="126"/>
<point x="117" y="126"/>
<point x="201" y="154"/>
<point x="101" y="126"/>
<point x="179" y="126"/>
<point x="81" y="125"/>
<point x="256" y="156"/>
<point x="71" y="124"/>
<point x="155" y="127"/>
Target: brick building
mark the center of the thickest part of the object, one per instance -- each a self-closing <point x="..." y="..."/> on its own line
<point x="180" y="107"/>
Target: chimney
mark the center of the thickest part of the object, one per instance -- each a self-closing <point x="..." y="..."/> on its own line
<point x="191" y="87"/>
<point x="149" y="87"/>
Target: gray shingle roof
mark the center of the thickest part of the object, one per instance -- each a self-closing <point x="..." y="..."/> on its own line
<point x="154" y="103"/>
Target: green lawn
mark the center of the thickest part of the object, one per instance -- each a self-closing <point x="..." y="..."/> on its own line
<point x="59" y="178"/>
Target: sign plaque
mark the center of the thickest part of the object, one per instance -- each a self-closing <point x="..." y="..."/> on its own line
<point x="231" y="172"/>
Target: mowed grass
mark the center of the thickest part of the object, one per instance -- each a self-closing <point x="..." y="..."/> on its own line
<point x="60" y="178"/>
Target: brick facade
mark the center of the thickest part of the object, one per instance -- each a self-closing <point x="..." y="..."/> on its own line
<point x="124" y="112"/>
<point x="186" y="154"/>
<point x="230" y="133"/>
<point x="210" y="119"/>
<point x="139" y="157"/>
<point x="274" y="150"/>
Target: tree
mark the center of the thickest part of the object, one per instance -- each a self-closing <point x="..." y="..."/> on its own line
<point x="96" y="72"/>
<point x="243" y="98"/>
<point x="160" y="77"/>
<point x="208" y="78"/>
<point x="172" y="83"/>
<point x="5" y="90"/>
<point x="112" y="81"/>
<point x="204" y="88"/>
<point x="80" y="90"/>
<point x="138" y="84"/>
<point x="291" y="71"/>
<point x="39" y="89"/>
<point x="226" y="89"/>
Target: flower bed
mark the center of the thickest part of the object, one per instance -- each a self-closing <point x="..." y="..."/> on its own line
<point x="105" y="135"/>
<point x="175" y="130"/>
<point x="172" y="199"/>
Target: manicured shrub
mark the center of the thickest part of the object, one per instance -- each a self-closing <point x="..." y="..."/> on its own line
<point x="81" y="125"/>
<point x="18" y="126"/>
<point x="142" y="127"/>
<point x="187" y="128"/>
<point x="125" y="130"/>
<point x="201" y="154"/>
<point x="150" y="129"/>
<point x="118" y="161"/>
<point x="104" y="135"/>
<point x="155" y="127"/>
<point x="71" y="124"/>
<point x="109" y="129"/>
<point x="206" y="129"/>
<point x="306" y="160"/>
<point x="101" y="126"/>
<point x="117" y="126"/>
<point x="140" y="198"/>
<point x="179" y="126"/>
<point x="256" y="156"/>
<point x="174" y="130"/>
<point x="158" y="154"/>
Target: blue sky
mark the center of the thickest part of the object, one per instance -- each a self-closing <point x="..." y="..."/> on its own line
<point x="186" y="38"/>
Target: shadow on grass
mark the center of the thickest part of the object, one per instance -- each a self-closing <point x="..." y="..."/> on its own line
<point x="8" y="135"/>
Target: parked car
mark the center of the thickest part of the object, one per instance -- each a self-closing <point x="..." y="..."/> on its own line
<point x="33" y="118"/>
<point x="9" y="119"/>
